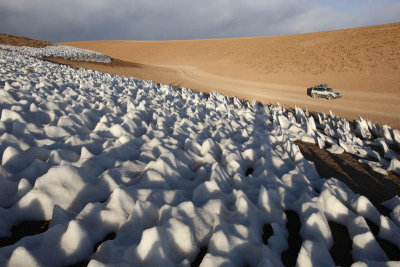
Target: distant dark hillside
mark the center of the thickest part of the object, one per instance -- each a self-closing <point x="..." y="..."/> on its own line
<point x="15" y="40"/>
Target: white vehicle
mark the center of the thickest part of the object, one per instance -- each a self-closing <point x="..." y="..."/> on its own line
<point x="324" y="91"/>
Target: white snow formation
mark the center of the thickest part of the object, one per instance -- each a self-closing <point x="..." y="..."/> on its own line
<point x="165" y="170"/>
<point x="361" y="138"/>
<point x="59" y="51"/>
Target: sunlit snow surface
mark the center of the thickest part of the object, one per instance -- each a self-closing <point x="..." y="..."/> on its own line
<point x="165" y="170"/>
<point x="68" y="52"/>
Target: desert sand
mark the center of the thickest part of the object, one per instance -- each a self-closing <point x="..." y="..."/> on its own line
<point x="9" y="39"/>
<point x="362" y="63"/>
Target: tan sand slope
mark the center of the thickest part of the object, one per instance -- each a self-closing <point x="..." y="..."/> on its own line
<point x="9" y="39"/>
<point x="363" y="63"/>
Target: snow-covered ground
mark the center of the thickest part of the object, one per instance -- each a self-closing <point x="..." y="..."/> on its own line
<point x="361" y="138"/>
<point x="170" y="171"/>
<point x="58" y="51"/>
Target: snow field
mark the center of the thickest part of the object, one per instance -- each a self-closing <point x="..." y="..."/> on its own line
<point x="361" y="138"/>
<point x="58" y="51"/>
<point x="168" y="172"/>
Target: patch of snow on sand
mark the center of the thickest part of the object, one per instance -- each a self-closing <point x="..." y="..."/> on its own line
<point x="168" y="171"/>
<point x="361" y="138"/>
<point x="59" y="51"/>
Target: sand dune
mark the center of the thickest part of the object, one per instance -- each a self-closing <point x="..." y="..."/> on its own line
<point x="363" y="63"/>
<point x="9" y="39"/>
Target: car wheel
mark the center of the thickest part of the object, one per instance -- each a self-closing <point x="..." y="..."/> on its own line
<point x="329" y="97"/>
